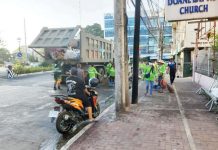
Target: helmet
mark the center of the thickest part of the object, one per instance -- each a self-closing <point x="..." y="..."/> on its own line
<point x="73" y="71"/>
<point x="94" y="82"/>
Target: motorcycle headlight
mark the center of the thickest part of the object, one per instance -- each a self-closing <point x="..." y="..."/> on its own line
<point x="66" y="117"/>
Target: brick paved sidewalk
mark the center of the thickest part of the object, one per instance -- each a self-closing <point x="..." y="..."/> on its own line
<point x="161" y="122"/>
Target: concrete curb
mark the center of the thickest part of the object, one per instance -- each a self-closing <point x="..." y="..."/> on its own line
<point x="35" y="73"/>
<point x="80" y="133"/>
<point x="25" y="75"/>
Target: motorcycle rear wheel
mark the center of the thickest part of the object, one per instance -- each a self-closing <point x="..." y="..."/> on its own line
<point x="64" y="125"/>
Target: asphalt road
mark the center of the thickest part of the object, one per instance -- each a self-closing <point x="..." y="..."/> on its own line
<point x="24" y="106"/>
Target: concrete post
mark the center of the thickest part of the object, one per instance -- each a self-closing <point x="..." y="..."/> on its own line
<point x="120" y="53"/>
<point x="195" y="56"/>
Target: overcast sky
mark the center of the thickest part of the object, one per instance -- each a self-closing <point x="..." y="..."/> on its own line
<point x="47" y="13"/>
<point x="50" y="13"/>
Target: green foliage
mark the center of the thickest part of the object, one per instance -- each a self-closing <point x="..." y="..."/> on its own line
<point x="95" y="29"/>
<point x="4" y="54"/>
<point x="216" y="43"/>
<point x="20" y="69"/>
<point x="33" y="59"/>
<point x="45" y="64"/>
<point x="2" y="43"/>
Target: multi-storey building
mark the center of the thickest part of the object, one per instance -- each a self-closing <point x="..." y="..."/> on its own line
<point x="149" y="36"/>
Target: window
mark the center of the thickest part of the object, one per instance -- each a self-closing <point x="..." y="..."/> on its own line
<point x="143" y="31"/>
<point x="131" y="21"/>
<point x="110" y="47"/>
<point x="152" y="41"/>
<point x="109" y="32"/>
<point x="103" y="45"/>
<point x="87" y="53"/>
<point x="130" y="31"/>
<point x="108" y="16"/>
<point x="103" y="55"/>
<point x="167" y="40"/>
<point x="168" y="30"/>
<point x="93" y="42"/>
<point x="96" y="54"/>
<point x="87" y="40"/>
<point x="97" y="43"/>
<point x="109" y="23"/>
<point x="143" y="40"/>
<point x="130" y="40"/>
<point x="93" y="54"/>
<point x="100" y="44"/>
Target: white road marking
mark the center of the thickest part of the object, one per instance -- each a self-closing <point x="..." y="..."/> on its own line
<point x="185" y="122"/>
<point x="44" y="106"/>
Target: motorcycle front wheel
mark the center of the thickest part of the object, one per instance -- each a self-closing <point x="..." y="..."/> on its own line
<point x="64" y="122"/>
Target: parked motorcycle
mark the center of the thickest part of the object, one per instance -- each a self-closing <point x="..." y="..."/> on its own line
<point x="71" y="113"/>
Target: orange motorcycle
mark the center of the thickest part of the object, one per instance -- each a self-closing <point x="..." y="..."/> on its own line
<point x="71" y="113"/>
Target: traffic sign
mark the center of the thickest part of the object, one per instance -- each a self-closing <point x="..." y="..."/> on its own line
<point x="19" y="54"/>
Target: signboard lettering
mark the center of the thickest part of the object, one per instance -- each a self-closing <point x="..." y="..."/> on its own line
<point x="177" y="10"/>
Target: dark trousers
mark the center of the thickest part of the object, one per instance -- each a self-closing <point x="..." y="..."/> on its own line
<point x="111" y="79"/>
<point x="172" y="77"/>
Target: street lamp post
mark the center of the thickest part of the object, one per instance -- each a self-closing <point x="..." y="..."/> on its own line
<point x="19" y="40"/>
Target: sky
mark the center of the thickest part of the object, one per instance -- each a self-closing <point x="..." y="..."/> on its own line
<point x="47" y="13"/>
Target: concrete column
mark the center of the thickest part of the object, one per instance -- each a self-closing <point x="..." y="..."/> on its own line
<point x="120" y="54"/>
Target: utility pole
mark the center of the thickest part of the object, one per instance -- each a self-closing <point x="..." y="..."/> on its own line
<point x="121" y="59"/>
<point x="161" y="42"/>
<point x="136" y="53"/>
<point x="194" y="68"/>
<point x="214" y="49"/>
<point x="27" y="59"/>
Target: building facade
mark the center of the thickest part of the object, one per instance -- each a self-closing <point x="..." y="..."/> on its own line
<point x="149" y="36"/>
<point x="193" y="50"/>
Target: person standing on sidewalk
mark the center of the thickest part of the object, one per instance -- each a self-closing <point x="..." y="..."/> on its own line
<point x="142" y="67"/>
<point x="108" y="67"/>
<point x="161" y="72"/>
<point x="172" y="70"/>
<point x="111" y="75"/>
<point x="149" y="75"/>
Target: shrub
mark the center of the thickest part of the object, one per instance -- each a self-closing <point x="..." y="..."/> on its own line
<point x="20" y="69"/>
<point x="45" y="64"/>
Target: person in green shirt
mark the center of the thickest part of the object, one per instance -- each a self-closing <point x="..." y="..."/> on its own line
<point x="111" y="75"/>
<point x="92" y="72"/>
<point x="57" y="76"/>
<point x="142" y="66"/>
<point x="149" y="76"/>
<point x="161" y="73"/>
<point x="108" y="67"/>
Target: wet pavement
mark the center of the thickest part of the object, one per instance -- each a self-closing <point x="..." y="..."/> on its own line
<point x="162" y="122"/>
<point x="25" y="104"/>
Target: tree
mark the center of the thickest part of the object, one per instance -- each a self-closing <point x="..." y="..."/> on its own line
<point x="2" y="43"/>
<point x="33" y="59"/>
<point x="95" y="29"/>
<point x="4" y="54"/>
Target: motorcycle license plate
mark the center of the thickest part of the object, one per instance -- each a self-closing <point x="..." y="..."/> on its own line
<point x="53" y="113"/>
